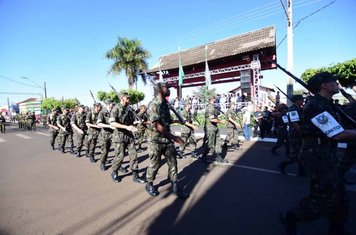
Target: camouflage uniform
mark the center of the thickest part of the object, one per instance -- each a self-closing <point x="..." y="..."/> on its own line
<point x="281" y="124"/>
<point x="294" y="114"/>
<point x="187" y="133"/>
<point x="212" y="135"/>
<point x="93" y="134"/>
<point x="52" y="119"/>
<point x="64" y="120"/>
<point x="105" y="136"/>
<point x="123" y="138"/>
<point x="79" y="120"/>
<point x="232" y="131"/>
<point x="2" y="124"/>
<point x="159" y="145"/>
<point x="349" y="158"/>
<point x="141" y="128"/>
<point x="327" y="196"/>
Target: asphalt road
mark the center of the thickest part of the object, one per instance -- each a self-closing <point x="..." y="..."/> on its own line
<point x="46" y="192"/>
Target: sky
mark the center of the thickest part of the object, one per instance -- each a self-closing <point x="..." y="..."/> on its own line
<point x="63" y="42"/>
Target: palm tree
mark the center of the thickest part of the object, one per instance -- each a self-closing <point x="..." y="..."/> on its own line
<point x="130" y="56"/>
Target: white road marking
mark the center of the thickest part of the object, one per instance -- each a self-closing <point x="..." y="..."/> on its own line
<point x="40" y="133"/>
<point x="23" y="136"/>
<point x="2" y="140"/>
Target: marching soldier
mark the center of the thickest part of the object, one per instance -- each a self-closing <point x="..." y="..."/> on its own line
<point x="2" y="124"/>
<point x="187" y="132"/>
<point x="78" y="124"/>
<point x="321" y="132"/>
<point x="53" y="128"/>
<point x="122" y="119"/>
<point x="294" y="132"/>
<point x="212" y="135"/>
<point x="281" y="125"/>
<point x="93" y="130"/>
<point x="106" y="132"/>
<point x="66" y="131"/>
<point x="232" y="132"/>
<point x="161" y="142"/>
<point x="142" y="126"/>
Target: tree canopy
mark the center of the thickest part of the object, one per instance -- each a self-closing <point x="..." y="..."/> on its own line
<point x="135" y="96"/>
<point x="346" y="72"/>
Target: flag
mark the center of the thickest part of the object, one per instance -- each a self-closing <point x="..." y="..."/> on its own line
<point x="207" y="71"/>
<point x="180" y="73"/>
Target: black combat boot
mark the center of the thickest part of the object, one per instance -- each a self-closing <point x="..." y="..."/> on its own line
<point x="62" y="150"/>
<point x="219" y="159"/>
<point x="72" y="150"/>
<point x="91" y="158"/>
<point x="103" y="166"/>
<point x="78" y="152"/>
<point x="52" y="147"/>
<point x="177" y="192"/>
<point x="123" y="169"/>
<point x="289" y="222"/>
<point x="193" y="154"/>
<point x="87" y="153"/>
<point x="180" y="154"/>
<point x="151" y="190"/>
<point x="115" y="177"/>
<point x="203" y="158"/>
<point x="282" y="167"/>
<point x="136" y="178"/>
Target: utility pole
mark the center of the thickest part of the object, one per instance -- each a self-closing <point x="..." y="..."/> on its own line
<point x="45" y="89"/>
<point x="290" y="55"/>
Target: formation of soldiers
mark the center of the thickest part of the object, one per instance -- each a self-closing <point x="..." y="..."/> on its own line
<point x="27" y="121"/>
<point x="309" y="131"/>
<point x="119" y="127"/>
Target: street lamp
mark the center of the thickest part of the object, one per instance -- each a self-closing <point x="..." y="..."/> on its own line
<point x="44" y="86"/>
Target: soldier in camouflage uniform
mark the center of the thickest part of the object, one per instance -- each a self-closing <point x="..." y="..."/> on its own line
<point x="349" y="158"/>
<point x="78" y="124"/>
<point x="142" y="126"/>
<point x="122" y="119"/>
<point x="53" y="128"/>
<point x="93" y="130"/>
<point x="66" y="131"/>
<point x="294" y="132"/>
<point x="321" y="132"/>
<point x="212" y="139"/>
<point x="232" y="131"/>
<point x="281" y="124"/>
<point x="106" y="132"/>
<point x="187" y="132"/>
<point x="161" y="142"/>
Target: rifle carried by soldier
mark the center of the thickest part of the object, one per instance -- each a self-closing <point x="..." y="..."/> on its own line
<point x="340" y="112"/>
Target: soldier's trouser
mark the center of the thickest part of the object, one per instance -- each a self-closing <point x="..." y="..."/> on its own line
<point x="80" y="140"/>
<point x="155" y="152"/>
<point x="2" y="128"/>
<point x="120" y="148"/>
<point x="212" y="141"/>
<point x="140" y="135"/>
<point x="349" y="158"/>
<point x="64" y="137"/>
<point x="52" y="136"/>
<point x="92" y="141"/>
<point x="105" y="147"/>
<point x="231" y="136"/>
<point x="189" y="139"/>
<point x="282" y="139"/>
<point x="327" y="196"/>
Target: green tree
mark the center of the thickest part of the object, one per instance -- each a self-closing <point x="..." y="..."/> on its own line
<point x="129" y="56"/>
<point x="345" y="70"/>
<point x="136" y="96"/>
<point x="203" y="93"/>
<point x="50" y="103"/>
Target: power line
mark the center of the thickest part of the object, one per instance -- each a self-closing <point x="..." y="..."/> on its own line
<point x="305" y="17"/>
<point x="24" y="84"/>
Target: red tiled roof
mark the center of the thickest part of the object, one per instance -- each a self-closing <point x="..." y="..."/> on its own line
<point x="235" y="45"/>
